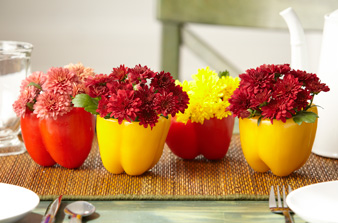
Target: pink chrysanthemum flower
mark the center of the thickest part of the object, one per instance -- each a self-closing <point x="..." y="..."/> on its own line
<point x="60" y="80"/>
<point x="25" y="101"/>
<point x="38" y="78"/>
<point x="49" y="95"/>
<point x="52" y="105"/>
<point x="82" y="72"/>
<point x="79" y="89"/>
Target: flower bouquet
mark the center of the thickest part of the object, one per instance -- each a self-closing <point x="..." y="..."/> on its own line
<point x="277" y="118"/>
<point x="134" y="107"/>
<point x="53" y="130"/>
<point x="206" y="126"/>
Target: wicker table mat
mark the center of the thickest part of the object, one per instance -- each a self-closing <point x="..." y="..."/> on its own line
<point x="172" y="178"/>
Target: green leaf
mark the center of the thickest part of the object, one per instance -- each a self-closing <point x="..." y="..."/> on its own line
<point x="305" y="116"/>
<point x="223" y="74"/>
<point x="30" y="106"/>
<point x="35" y="85"/>
<point x="85" y="101"/>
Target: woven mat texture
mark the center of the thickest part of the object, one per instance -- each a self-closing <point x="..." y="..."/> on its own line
<point x="171" y="179"/>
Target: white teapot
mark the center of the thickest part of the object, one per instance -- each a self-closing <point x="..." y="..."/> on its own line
<point x="326" y="142"/>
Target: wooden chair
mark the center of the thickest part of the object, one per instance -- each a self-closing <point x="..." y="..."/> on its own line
<point x="175" y="14"/>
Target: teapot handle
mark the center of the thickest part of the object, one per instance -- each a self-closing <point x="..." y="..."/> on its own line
<point x="299" y="54"/>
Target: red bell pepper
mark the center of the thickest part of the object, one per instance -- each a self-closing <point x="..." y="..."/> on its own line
<point x="211" y="139"/>
<point x="33" y="141"/>
<point x="66" y="140"/>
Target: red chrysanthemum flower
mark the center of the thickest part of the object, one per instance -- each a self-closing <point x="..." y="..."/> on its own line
<point x="146" y="94"/>
<point x="316" y="87"/>
<point x="240" y="103"/>
<point x="140" y="74"/>
<point x="302" y="100"/>
<point x="162" y="81"/>
<point x="261" y="98"/>
<point x="288" y="88"/>
<point x="124" y="105"/>
<point x="102" y="107"/>
<point x="134" y="94"/>
<point x="114" y="86"/>
<point x="97" y="86"/>
<point x="181" y="98"/>
<point x="165" y="104"/>
<point x="274" y="92"/>
<point x="148" y="116"/>
<point x="279" y="110"/>
<point x="60" y="81"/>
<point x="52" y="105"/>
<point x="310" y="81"/>
<point x="256" y="80"/>
<point x="119" y="73"/>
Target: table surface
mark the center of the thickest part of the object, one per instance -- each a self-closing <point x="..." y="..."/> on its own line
<point x="169" y="211"/>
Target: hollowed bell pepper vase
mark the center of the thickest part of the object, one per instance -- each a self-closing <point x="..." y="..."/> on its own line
<point x="53" y="130"/>
<point x="211" y="139"/>
<point x="66" y="140"/>
<point x="129" y="147"/>
<point x="277" y="120"/>
<point x="133" y="107"/>
<point x="280" y="147"/>
<point x="206" y="126"/>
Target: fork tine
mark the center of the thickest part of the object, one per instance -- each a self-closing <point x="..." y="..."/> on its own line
<point x="289" y="187"/>
<point x="284" y="198"/>
<point x="272" y="199"/>
<point x="278" y="198"/>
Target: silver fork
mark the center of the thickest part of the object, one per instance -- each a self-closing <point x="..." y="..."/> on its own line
<point x="280" y="207"/>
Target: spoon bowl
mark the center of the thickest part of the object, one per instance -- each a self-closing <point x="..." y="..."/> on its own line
<point x="78" y="209"/>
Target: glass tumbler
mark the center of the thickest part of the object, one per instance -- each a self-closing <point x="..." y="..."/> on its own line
<point x="14" y="67"/>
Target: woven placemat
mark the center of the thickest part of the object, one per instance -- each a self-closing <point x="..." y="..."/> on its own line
<point x="171" y="179"/>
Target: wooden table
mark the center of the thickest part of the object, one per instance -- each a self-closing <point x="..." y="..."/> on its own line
<point x="169" y="211"/>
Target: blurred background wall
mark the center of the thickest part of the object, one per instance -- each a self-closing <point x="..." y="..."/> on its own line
<point x="106" y="33"/>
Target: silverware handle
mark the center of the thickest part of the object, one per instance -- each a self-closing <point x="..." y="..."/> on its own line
<point x="47" y="219"/>
<point x="287" y="216"/>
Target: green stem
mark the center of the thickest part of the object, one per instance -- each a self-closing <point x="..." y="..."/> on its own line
<point x="310" y="104"/>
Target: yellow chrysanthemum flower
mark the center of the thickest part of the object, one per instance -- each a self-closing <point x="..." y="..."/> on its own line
<point x="208" y="96"/>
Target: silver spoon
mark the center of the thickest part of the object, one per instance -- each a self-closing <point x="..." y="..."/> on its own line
<point x="78" y="209"/>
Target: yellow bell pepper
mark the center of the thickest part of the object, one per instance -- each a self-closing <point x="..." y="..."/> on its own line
<point x="279" y="147"/>
<point x="130" y="147"/>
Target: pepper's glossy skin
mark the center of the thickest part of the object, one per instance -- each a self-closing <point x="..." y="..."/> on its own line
<point x="66" y="140"/>
<point x="211" y="139"/>
<point x="279" y="147"/>
<point x="33" y="141"/>
<point x="130" y="147"/>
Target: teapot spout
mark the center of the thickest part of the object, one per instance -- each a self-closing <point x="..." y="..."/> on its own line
<point x="299" y="54"/>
